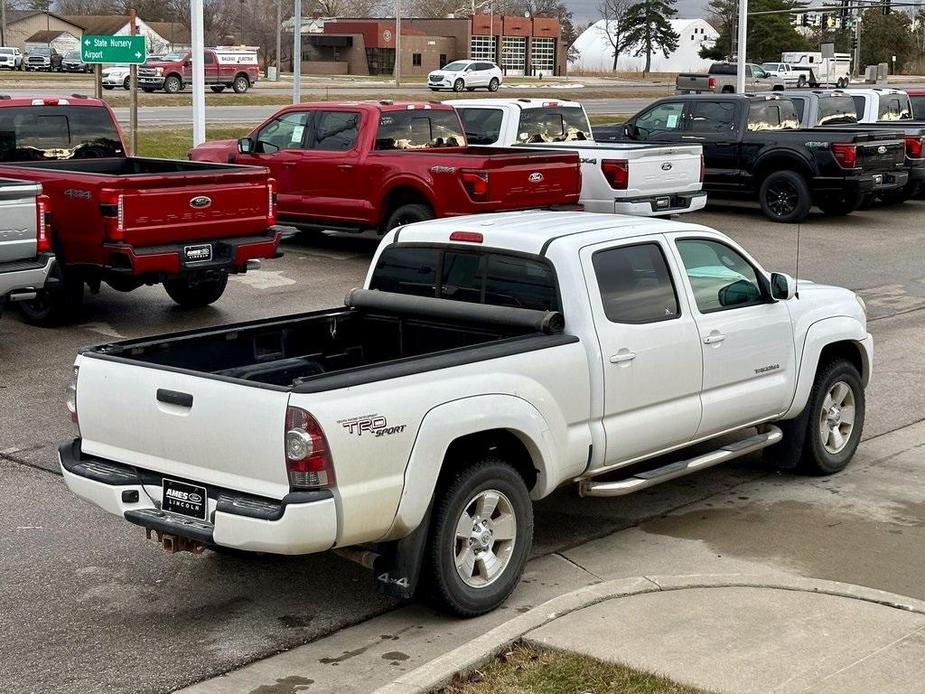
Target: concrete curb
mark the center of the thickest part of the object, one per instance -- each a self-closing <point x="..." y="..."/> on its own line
<point x="479" y="651"/>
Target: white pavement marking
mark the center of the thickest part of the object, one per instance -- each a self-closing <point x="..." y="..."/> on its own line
<point x="263" y="279"/>
<point x="103" y="329"/>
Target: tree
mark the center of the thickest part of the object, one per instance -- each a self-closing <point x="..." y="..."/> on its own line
<point x="648" y="28"/>
<point x="883" y="36"/>
<point x="768" y="34"/>
<point x="613" y="12"/>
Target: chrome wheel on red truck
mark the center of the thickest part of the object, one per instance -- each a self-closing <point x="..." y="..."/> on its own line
<point x="173" y="84"/>
<point x="241" y="84"/>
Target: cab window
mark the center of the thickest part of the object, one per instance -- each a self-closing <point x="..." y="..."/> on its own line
<point x="285" y="132"/>
<point x="894" y="107"/>
<point x="482" y="125"/>
<point x="713" y="116"/>
<point x="552" y="124"/>
<point x="720" y="277"/>
<point x="664" y="117"/>
<point x="419" y="129"/>
<point x="635" y="284"/>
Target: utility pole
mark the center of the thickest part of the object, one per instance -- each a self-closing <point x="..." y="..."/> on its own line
<point x="857" y="45"/>
<point x="742" y="48"/>
<point x="397" y="42"/>
<point x="133" y="85"/>
<point x="199" y="73"/>
<point x="297" y="53"/>
<point x="279" y="35"/>
<point x="3" y="22"/>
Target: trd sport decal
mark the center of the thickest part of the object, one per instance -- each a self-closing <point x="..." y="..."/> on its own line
<point x="371" y="424"/>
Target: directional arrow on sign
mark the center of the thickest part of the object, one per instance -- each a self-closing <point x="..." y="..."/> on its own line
<point x="87" y="42"/>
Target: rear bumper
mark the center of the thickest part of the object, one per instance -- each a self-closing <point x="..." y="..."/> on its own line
<point x="657" y="205"/>
<point x="300" y="523"/>
<point x="858" y="185"/>
<point x="162" y="262"/>
<point x="25" y="274"/>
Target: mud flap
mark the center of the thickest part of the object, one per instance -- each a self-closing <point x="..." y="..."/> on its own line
<point x="397" y="569"/>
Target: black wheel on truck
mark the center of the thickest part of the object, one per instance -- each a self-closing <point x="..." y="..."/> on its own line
<point x="801" y="81"/>
<point x="480" y="537"/>
<point x="241" y="84"/>
<point x="127" y="83"/>
<point x="727" y="90"/>
<point x="191" y="292"/>
<point x="173" y="84"/>
<point x="408" y="214"/>
<point x="785" y="197"/>
<point x="824" y="438"/>
<point x="52" y="307"/>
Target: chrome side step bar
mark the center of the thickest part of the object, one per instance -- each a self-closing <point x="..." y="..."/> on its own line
<point x="650" y="478"/>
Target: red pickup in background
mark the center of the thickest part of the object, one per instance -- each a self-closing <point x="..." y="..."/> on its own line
<point x="130" y="221"/>
<point x="376" y="165"/>
<point x="224" y="67"/>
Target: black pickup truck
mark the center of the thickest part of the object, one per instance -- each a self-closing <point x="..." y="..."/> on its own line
<point x="753" y="146"/>
<point x="836" y="108"/>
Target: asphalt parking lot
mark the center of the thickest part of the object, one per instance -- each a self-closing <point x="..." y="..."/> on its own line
<point x="86" y="604"/>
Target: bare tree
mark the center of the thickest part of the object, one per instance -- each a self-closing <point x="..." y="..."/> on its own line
<point x="344" y="8"/>
<point x="613" y="13"/>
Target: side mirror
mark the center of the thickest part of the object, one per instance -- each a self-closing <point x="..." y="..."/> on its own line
<point x="783" y="287"/>
<point x="245" y="145"/>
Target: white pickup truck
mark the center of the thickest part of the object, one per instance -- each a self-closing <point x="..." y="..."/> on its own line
<point x="880" y="104"/>
<point x="26" y="257"/>
<point x="489" y="360"/>
<point x="646" y="180"/>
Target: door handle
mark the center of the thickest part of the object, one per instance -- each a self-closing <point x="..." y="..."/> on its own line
<point x="713" y="338"/>
<point x="289" y="164"/>
<point x="623" y="356"/>
<point x="345" y="167"/>
<point x="174" y="397"/>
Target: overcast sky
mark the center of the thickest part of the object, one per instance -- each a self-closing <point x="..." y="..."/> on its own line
<point x="586" y="10"/>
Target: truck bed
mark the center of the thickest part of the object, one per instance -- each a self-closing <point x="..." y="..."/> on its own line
<point x="128" y="166"/>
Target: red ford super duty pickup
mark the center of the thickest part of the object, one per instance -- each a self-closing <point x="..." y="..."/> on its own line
<point x="130" y="221"/>
<point x="376" y="165"/>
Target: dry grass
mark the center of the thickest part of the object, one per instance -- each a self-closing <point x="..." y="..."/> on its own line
<point x="522" y="669"/>
<point x="174" y="143"/>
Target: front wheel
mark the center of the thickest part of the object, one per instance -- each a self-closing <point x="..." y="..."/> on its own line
<point x="108" y="87"/>
<point x="480" y="538"/>
<point x="459" y="85"/>
<point x="190" y="292"/>
<point x="408" y="214"/>
<point x="785" y="197"/>
<point x="173" y="84"/>
<point x="836" y="419"/>
<point x="494" y="84"/>
<point x="127" y="83"/>
<point x="241" y="84"/>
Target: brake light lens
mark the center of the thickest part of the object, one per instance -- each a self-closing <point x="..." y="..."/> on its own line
<point x="112" y="208"/>
<point x="308" y="459"/>
<point x="271" y="202"/>
<point x="476" y="184"/>
<point x="914" y="147"/>
<point x="617" y="172"/>
<point x="70" y="398"/>
<point x="846" y="155"/>
<point x="467" y="236"/>
<point x="42" y="226"/>
<point x="711" y="83"/>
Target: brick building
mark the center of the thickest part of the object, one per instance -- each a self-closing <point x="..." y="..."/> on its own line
<point x="519" y="45"/>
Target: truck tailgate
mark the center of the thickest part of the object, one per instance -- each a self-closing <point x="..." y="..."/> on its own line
<point x="194" y="211"/>
<point x="882" y="155"/>
<point x="230" y="435"/>
<point x="665" y="170"/>
<point x="518" y="181"/>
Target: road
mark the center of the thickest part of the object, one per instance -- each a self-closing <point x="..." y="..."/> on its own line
<point x="87" y="604"/>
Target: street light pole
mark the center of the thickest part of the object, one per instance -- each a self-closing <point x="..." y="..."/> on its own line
<point x="397" y="42"/>
<point x="199" y="73"/>
<point x="297" y="53"/>
<point x="742" y="52"/>
<point x="279" y="36"/>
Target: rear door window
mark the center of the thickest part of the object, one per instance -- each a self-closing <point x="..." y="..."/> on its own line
<point x="419" y="129"/>
<point x="335" y="130"/>
<point x="713" y="116"/>
<point x="635" y="284"/>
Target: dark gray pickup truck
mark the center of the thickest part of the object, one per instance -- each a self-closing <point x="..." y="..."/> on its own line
<point x="26" y="260"/>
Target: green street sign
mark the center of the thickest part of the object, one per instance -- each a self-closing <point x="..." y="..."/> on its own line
<point x="112" y="49"/>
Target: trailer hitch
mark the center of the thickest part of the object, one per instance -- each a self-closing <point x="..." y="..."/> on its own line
<point x="174" y="543"/>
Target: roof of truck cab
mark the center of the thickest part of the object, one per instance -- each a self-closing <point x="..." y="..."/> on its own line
<point x="522" y="102"/>
<point x="49" y="101"/>
<point x="371" y="106"/>
<point x="532" y="232"/>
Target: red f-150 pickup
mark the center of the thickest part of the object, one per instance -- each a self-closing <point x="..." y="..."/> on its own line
<point x="377" y="165"/>
<point x="130" y="221"/>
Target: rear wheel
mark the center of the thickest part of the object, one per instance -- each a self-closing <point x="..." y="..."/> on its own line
<point x="218" y="88"/>
<point x="801" y="82"/>
<point x="494" y="84"/>
<point x="173" y="84"/>
<point x="55" y="306"/>
<point x="191" y="292"/>
<point x="480" y="538"/>
<point x="241" y="84"/>
<point x="785" y="197"/>
<point x="408" y="214"/>
<point x="459" y="85"/>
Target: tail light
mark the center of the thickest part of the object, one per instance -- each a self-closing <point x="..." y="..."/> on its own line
<point x="476" y="184"/>
<point x="711" y="83"/>
<point x="112" y="208"/>
<point x="617" y="172"/>
<point x="70" y="398"/>
<point x="42" y="226"/>
<point x="914" y="147"/>
<point x="701" y="168"/>
<point x="308" y="460"/>
<point x="845" y="155"/>
<point x="271" y="202"/>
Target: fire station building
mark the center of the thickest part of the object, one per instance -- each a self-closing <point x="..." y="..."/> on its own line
<point x="519" y="45"/>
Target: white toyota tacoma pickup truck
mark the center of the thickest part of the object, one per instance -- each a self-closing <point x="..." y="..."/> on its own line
<point x="646" y="180"/>
<point x="489" y="360"/>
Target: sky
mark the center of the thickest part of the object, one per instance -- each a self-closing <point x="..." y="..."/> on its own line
<point x="587" y="10"/>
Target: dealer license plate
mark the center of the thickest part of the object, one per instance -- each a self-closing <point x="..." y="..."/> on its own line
<point x="186" y="499"/>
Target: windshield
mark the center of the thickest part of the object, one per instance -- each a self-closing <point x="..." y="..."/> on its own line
<point x="170" y="57"/>
<point x="836" y="110"/>
<point x="40" y="51"/>
<point x="73" y="55"/>
<point x="7" y="51"/>
<point x="769" y="66"/>
<point x="456" y="66"/>
<point x="419" y="129"/>
<point x="30" y="133"/>
<point x="553" y="124"/>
